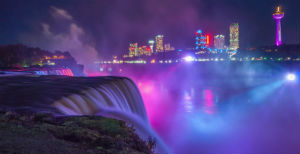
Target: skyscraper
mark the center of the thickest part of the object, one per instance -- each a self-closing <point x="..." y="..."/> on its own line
<point x="159" y="43"/>
<point x="140" y="51"/>
<point x="219" y="41"/>
<point x="146" y="50"/>
<point x="200" y="40"/>
<point x="151" y="44"/>
<point x="278" y="15"/>
<point x="234" y="36"/>
<point x="133" y="49"/>
<point x="208" y="40"/>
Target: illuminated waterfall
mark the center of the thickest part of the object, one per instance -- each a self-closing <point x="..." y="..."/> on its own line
<point x="119" y="99"/>
<point x="62" y="71"/>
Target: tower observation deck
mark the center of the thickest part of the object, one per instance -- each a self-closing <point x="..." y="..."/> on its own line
<point x="278" y="15"/>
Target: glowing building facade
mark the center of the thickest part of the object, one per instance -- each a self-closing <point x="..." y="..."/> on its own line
<point x="159" y="43"/>
<point x="140" y="51"/>
<point x="208" y="40"/>
<point x="200" y="40"/>
<point x="146" y="50"/>
<point x="234" y="36"/>
<point x="219" y="41"/>
<point x="151" y="45"/>
<point x="278" y="15"/>
<point x="168" y="47"/>
<point x="133" y="49"/>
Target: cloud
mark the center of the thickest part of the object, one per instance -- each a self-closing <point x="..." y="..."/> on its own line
<point x="46" y="29"/>
<point x="60" y="13"/>
<point x="72" y="40"/>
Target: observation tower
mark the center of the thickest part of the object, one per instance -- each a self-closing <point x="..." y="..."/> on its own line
<point x="278" y="15"/>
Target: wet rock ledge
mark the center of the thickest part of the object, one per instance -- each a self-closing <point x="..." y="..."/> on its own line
<point x="35" y="133"/>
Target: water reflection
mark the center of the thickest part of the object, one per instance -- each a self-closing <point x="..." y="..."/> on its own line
<point x="187" y="101"/>
<point x="220" y="113"/>
<point x="209" y="106"/>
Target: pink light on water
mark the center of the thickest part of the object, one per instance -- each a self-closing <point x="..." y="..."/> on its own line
<point x="155" y="101"/>
<point x="209" y="102"/>
<point x="145" y="87"/>
<point x="149" y="94"/>
<point x="208" y="98"/>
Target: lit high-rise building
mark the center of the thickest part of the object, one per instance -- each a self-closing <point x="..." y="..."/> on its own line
<point x="140" y="51"/>
<point x="133" y="49"/>
<point x="159" y="43"/>
<point x="168" y="47"/>
<point x="200" y="40"/>
<point x="208" y="40"/>
<point x="278" y="15"/>
<point x="234" y="36"/>
<point x="151" y="45"/>
<point x="146" y="50"/>
<point x="219" y="41"/>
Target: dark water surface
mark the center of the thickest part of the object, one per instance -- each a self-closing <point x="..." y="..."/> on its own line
<point x="219" y="107"/>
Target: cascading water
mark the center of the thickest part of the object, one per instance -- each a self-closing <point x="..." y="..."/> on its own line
<point x="119" y="99"/>
<point x="63" y="71"/>
<point x="42" y="71"/>
<point x="112" y="97"/>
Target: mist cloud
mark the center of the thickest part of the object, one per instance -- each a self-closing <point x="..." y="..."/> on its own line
<point x="60" y="13"/>
<point x="72" y="40"/>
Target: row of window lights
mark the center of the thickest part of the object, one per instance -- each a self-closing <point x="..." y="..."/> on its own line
<point x="153" y="61"/>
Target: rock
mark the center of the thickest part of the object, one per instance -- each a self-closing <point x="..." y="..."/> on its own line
<point x="44" y="133"/>
<point x="44" y="117"/>
<point x="9" y="115"/>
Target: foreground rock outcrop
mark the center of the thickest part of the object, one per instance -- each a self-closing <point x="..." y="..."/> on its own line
<point x="32" y="133"/>
<point x="110" y="97"/>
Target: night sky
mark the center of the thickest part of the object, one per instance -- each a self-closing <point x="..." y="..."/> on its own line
<point x="106" y="27"/>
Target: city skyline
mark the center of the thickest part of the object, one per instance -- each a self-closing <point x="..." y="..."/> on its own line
<point x="204" y="43"/>
<point x="138" y="22"/>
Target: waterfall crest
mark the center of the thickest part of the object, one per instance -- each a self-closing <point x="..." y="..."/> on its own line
<point x="62" y="71"/>
<point x="119" y="99"/>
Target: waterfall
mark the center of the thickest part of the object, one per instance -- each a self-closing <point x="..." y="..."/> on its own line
<point x="119" y="99"/>
<point x="58" y="71"/>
